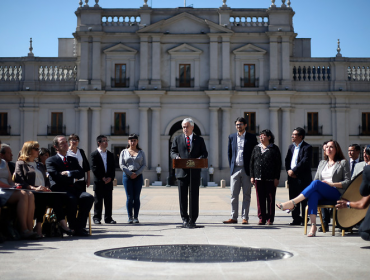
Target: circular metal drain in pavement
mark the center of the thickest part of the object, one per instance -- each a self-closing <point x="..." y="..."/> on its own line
<point x="194" y="253"/>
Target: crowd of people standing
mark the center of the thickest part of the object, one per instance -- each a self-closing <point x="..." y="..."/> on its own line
<point x="39" y="181"/>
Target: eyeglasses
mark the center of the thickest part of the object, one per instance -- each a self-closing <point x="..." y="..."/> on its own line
<point x="104" y="141"/>
<point x="295" y="134"/>
<point x="239" y="124"/>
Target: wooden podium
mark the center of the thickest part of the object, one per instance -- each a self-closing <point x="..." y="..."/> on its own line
<point x="190" y="163"/>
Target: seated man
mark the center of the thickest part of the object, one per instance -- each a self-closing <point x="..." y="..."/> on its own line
<point x="63" y="170"/>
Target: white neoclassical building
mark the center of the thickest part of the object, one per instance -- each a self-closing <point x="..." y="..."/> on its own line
<point x="143" y="70"/>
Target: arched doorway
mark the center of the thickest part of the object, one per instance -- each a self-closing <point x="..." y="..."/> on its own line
<point x="176" y="130"/>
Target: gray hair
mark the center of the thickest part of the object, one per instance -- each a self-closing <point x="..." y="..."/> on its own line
<point x="188" y="120"/>
<point x="3" y="148"/>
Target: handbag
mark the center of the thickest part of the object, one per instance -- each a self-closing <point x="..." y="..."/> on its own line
<point x="50" y="227"/>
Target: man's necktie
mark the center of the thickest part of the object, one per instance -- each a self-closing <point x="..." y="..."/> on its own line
<point x="353" y="167"/>
<point x="65" y="162"/>
<point x="188" y="143"/>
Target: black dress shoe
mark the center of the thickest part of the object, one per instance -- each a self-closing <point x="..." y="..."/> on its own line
<point x="80" y="232"/>
<point x="111" y="222"/>
<point x="326" y="228"/>
<point x="191" y="225"/>
<point x="185" y="224"/>
<point x="97" y="222"/>
<point x="295" y="223"/>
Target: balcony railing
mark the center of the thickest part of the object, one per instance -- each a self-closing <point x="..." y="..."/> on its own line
<point x="120" y="83"/>
<point x="5" y="130"/>
<point x="188" y="83"/>
<point x="56" y="130"/>
<point x="120" y="131"/>
<point x="244" y="83"/>
<point x="313" y="132"/>
<point x="363" y="132"/>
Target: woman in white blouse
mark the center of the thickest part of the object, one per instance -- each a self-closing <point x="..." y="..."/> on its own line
<point x="331" y="180"/>
<point x="132" y="162"/>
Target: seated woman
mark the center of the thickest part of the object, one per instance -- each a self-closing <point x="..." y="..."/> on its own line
<point x="24" y="201"/>
<point x="31" y="175"/>
<point x="331" y="180"/>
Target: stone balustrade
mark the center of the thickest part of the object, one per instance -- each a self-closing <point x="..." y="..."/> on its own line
<point x="57" y="73"/>
<point x="311" y="73"/>
<point x="120" y="20"/>
<point x="9" y="73"/>
<point x="252" y="21"/>
<point x="359" y="73"/>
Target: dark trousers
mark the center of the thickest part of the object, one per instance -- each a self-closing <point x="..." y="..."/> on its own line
<point x="84" y="201"/>
<point x="326" y="214"/>
<point x="296" y="186"/>
<point x="265" y="191"/>
<point x="81" y="185"/>
<point x="133" y="190"/>
<point x="103" y="195"/>
<point x="185" y="189"/>
<point x="52" y="200"/>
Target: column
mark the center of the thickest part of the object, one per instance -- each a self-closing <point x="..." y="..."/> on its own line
<point x="225" y="136"/>
<point x="274" y="124"/>
<point x="213" y="58"/>
<point x="226" y="58"/>
<point x="83" y="129"/>
<point x="285" y="59"/>
<point x="342" y="135"/>
<point x="29" y="125"/>
<point x="96" y="63"/>
<point x="156" y="58"/>
<point x="95" y="127"/>
<point x="84" y="62"/>
<point x="143" y="132"/>
<point x="273" y="59"/>
<point x="286" y="131"/>
<point x="213" y="149"/>
<point x="156" y="137"/>
<point x="144" y="48"/>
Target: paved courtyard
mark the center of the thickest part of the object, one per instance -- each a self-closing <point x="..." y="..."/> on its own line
<point x="325" y="256"/>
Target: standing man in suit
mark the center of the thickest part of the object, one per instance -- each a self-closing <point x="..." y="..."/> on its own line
<point x="63" y="171"/>
<point x="185" y="146"/>
<point x="104" y="170"/>
<point x="240" y="147"/>
<point x="298" y="166"/>
<point x="360" y="166"/>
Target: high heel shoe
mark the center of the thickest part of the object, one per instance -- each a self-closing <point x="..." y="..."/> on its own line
<point x="288" y="210"/>
<point x="312" y="234"/>
<point x="68" y="232"/>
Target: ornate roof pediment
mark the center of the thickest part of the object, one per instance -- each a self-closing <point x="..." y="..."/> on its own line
<point x="120" y="48"/>
<point x="185" y="49"/>
<point x="185" y="23"/>
<point x="249" y="50"/>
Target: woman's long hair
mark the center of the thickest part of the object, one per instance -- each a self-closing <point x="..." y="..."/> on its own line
<point x="133" y="136"/>
<point x="338" y="154"/>
<point x="26" y="150"/>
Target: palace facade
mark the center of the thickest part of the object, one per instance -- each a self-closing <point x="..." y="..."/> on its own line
<point x="144" y="70"/>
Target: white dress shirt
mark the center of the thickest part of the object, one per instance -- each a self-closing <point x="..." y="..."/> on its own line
<point x="240" y="149"/>
<point x="104" y="157"/>
<point x="294" y="161"/>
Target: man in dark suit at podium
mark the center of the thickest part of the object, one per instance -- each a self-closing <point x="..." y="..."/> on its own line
<point x="185" y="146"/>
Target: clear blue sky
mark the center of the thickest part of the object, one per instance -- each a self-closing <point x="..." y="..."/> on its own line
<point x="324" y="21"/>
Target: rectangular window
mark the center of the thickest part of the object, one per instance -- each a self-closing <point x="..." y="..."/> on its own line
<point x="312" y="123"/>
<point x="120" y="124"/>
<point x="365" y="123"/>
<point x="250" y="117"/>
<point x="4" y="124"/>
<point x="56" y="124"/>
<point x="120" y="75"/>
<point x="249" y="75"/>
<point x="184" y="75"/>
<point x="116" y="152"/>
